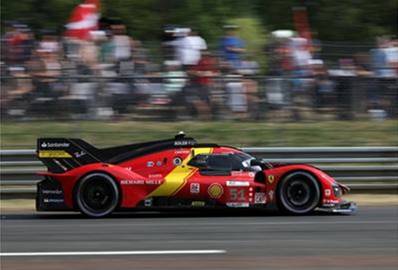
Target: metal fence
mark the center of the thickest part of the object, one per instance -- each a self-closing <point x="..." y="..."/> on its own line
<point x="361" y="168"/>
<point x="174" y="97"/>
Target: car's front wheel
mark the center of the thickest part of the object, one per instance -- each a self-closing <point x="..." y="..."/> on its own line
<point x="298" y="193"/>
<point x="97" y="195"/>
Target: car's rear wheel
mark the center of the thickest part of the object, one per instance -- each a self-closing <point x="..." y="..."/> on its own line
<point x="97" y="195"/>
<point x="298" y="193"/>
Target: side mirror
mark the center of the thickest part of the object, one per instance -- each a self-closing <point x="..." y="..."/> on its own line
<point x="257" y="168"/>
<point x="255" y="162"/>
<point x="256" y="165"/>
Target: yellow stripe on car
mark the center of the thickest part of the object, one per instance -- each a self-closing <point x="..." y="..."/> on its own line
<point x="176" y="179"/>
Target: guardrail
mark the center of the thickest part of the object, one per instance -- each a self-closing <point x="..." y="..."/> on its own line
<point x="361" y="168"/>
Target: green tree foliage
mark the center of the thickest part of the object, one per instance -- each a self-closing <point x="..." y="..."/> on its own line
<point x="254" y="35"/>
<point x="39" y="14"/>
<point x="355" y="20"/>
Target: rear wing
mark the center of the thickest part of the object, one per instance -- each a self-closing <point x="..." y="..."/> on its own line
<point x="63" y="154"/>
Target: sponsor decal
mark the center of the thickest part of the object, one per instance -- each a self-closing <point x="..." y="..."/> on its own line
<point x="54" y="154"/>
<point x="331" y="201"/>
<point x="141" y="182"/>
<point x="153" y="181"/>
<point x="194" y="188"/>
<point x="271" y="195"/>
<point x="237" y="183"/>
<point x="158" y="163"/>
<point x="148" y="202"/>
<point x="181" y="151"/>
<point x="260" y="198"/>
<point x="328" y="192"/>
<point x="132" y="182"/>
<point x="55" y="145"/>
<point x="56" y="192"/>
<point x="271" y="179"/>
<point x="233" y="173"/>
<point x="198" y="203"/>
<point x="177" y="161"/>
<point x="243" y="174"/>
<point x="150" y="164"/>
<point x="79" y="154"/>
<point x="157" y="175"/>
<point x="184" y="143"/>
<point x="237" y="204"/>
<point x="215" y="190"/>
<point x="53" y="200"/>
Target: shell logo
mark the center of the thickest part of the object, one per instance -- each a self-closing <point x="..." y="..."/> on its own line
<point x="215" y="191"/>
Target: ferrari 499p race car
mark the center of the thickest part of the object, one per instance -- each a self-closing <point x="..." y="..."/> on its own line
<point x="176" y="173"/>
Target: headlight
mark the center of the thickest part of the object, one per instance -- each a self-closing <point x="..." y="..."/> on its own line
<point x="337" y="191"/>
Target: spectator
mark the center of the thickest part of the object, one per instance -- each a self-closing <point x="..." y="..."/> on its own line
<point x="49" y="42"/>
<point x="200" y="91"/>
<point x="253" y="101"/>
<point x="17" y="94"/>
<point x="232" y="47"/>
<point x="140" y="58"/>
<point x="19" y="44"/>
<point x="236" y="95"/>
<point x="392" y="57"/>
<point x="46" y="70"/>
<point x="174" y="78"/>
<point x="324" y="95"/>
<point x="301" y="56"/>
<point x="122" y="44"/>
<point x="189" y="49"/>
<point x="383" y="57"/>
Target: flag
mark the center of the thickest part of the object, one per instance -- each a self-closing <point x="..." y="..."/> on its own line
<point x="300" y="19"/>
<point x="83" y="20"/>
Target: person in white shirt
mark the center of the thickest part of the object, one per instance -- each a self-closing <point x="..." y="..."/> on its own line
<point x="189" y="49"/>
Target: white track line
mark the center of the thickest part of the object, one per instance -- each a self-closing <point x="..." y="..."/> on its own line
<point x="106" y="253"/>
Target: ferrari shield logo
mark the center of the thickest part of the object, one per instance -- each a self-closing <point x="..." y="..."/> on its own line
<point x="271" y="179"/>
<point x="215" y="191"/>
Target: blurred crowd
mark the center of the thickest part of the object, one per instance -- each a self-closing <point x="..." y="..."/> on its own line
<point x="113" y="75"/>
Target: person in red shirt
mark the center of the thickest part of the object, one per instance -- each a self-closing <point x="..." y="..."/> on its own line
<point x="202" y="81"/>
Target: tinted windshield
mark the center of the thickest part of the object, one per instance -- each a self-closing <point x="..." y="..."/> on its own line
<point x="236" y="161"/>
<point x="244" y="159"/>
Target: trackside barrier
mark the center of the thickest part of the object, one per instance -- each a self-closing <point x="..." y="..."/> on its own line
<point x="361" y="168"/>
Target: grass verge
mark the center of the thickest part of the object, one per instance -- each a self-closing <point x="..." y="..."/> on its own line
<point x="327" y="133"/>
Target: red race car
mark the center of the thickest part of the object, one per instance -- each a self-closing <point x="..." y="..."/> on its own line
<point x="177" y="173"/>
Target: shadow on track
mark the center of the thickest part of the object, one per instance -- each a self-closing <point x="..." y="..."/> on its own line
<point x="164" y="214"/>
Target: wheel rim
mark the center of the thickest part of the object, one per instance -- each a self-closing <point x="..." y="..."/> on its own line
<point x="97" y="195"/>
<point x="298" y="193"/>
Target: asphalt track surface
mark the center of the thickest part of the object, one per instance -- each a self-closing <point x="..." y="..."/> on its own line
<point x="367" y="240"/>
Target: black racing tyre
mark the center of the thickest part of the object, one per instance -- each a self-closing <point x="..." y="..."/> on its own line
<point x="97" y="195"/>
<point x="298" y="193"/>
